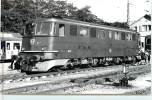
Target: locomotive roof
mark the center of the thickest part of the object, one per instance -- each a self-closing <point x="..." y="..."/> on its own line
<point x="10" y="36"/>
<point x="70" y="21"/>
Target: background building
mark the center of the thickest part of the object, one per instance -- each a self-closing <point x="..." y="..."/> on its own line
<point x="143" y="26"/>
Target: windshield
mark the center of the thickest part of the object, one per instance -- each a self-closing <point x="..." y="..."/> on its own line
<point x="43" y="28"/>
<point x="29" y="29"/>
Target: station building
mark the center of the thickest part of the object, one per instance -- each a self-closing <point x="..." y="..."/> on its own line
<point x="143" y="27"/>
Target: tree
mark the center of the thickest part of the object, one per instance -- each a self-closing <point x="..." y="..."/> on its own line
<point x="85" y="14"/>
<point x="120" y="24"/>
<point x="16" y="14"/>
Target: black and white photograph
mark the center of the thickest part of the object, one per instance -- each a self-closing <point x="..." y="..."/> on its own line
<point x="75" y="47"/>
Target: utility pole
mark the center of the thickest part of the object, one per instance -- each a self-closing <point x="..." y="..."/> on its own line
<point x="151" y="35"/>
<point x="128" y="11"/>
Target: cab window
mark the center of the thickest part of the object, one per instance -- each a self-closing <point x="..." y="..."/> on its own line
<point x="134" y="37"/>
<point x="110" y="34"/>
<point x="117" y="36"/>
<point x="129" y="37"/>
<point x="123" y="36"/>
<point x="61" y="30"/>
<point x="73" y="30"/>
<point x="43" y="28"/>
<point x="29" y="30"/>
<point x="93" y="32"/>
<point x="101" y="34"/>
<point x="83" y="31"/>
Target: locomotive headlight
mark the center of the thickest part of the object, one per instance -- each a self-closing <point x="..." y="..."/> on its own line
<point x="44" y="48"/>
<point x="22" y="49"/>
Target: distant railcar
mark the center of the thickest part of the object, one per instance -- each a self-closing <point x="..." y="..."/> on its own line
<point x="64" y="42"/>
<point x="10" y="45"/>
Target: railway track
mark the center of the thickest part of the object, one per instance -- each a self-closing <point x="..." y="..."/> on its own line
<point x="12" y="78"/>
<point x="17" y="81"/>
<point x="6" y="79"/>
<point x="50" y="84"/>
<point x="87" y="81"/>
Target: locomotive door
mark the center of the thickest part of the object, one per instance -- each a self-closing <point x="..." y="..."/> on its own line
<point x="109" y="51"/>
<point x="9" y="46"/>
<point x="3" y="50"/>
<point x="83" y="47"/>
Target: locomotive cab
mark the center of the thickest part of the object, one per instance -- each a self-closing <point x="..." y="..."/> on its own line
<point x="38" y="47"/>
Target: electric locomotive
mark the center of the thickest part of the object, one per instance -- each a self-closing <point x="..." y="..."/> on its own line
<point x="64" y="43"/>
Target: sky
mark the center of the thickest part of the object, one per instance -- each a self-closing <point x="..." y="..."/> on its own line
<point x="115" y="10"/>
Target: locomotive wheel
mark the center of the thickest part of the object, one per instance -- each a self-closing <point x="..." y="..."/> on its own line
<point x="117" y="61"/>
<point x="70" y="67"/>
<point x="134" y="61"/>
<point x="58" y="70"/>
<point x="90" y="65"/>
<point x="22" y="71"/>
<point x="28" y="73"/>
<point x="93" y="63"/>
